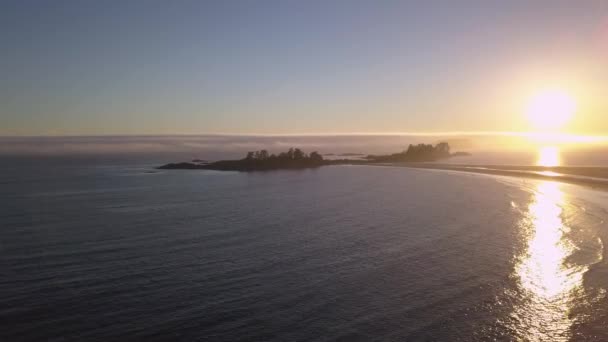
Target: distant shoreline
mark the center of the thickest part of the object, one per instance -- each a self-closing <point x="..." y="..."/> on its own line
<point x="295" y="158"/>
<point x="594" y="177"/>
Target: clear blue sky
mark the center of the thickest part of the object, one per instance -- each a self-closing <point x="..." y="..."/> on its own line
<point x="165" y="67"/>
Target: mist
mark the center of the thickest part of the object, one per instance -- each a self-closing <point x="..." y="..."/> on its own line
<point x="485" y="148"/>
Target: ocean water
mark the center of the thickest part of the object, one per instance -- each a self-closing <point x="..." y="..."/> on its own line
<point x="115" y="250"/>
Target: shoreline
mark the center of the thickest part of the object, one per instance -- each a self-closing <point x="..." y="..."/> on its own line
<point x="593" y="177"/>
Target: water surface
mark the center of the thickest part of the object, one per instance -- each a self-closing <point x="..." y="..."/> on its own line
<point x="113" y="250"/>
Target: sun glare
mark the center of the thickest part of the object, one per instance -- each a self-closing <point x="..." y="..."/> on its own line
<point x="548" y="156"/>
<point x="545" y="275"/>
<point x="551" y="109"/>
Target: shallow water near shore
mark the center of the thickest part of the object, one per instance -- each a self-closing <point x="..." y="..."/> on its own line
<point x="118" y="250"/>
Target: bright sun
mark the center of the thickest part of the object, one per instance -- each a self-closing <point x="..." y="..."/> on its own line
<point x="548" y="156"/>
<point x="551" y="109"/>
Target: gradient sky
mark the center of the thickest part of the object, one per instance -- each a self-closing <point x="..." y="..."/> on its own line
<point x="187" y="67"/>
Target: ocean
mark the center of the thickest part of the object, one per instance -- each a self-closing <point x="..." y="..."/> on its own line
<point x="108" y="250"/>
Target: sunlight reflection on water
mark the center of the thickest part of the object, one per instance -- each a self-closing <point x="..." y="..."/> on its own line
<point x="548" y="156"/>
<point x="548" y="284"/>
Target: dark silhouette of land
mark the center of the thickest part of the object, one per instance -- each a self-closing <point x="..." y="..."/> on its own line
<point x="295" y="158"/>
<point x="415" y="153"/>
<point x="261" y="160"/>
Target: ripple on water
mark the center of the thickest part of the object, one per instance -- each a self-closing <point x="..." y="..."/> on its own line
<point x="561" y="245"/>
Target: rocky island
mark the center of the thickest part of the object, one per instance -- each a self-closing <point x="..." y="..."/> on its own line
<point x="295" y="158"/>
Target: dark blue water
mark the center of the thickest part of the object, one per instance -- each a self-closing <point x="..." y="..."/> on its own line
<point x="113" y="250"/>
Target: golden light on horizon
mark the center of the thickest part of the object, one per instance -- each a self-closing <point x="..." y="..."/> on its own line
<point x="548" y="113"/>
<point x="550" y="110"/>
<point x="548" y="156"/>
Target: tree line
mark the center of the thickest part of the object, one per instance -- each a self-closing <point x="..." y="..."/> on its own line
<point x="293" y="154"/>
<point x="416" y="153"/>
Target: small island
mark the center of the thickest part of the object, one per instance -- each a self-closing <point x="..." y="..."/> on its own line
<point x="261" y="160"/>
<point x="295" y="158"/>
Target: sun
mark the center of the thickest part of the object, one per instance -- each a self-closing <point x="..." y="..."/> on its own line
<point x="550" y="109"/>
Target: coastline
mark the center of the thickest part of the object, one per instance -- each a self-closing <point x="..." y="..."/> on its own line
<point x="591" y="177"/>
<point x="581" y="182"/>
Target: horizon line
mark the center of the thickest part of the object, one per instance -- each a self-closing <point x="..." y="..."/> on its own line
<point x="445" y="133"/>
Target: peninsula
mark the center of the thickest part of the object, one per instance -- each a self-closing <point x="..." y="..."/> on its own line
<point x="295" y="158"/>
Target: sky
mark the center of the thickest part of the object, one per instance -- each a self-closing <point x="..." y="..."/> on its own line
<point x="296" y="67"/>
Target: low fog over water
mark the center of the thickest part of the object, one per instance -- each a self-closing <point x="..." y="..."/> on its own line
<point x="485" y="148"/>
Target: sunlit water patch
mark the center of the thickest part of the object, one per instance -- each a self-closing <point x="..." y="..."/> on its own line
<point x="550" y="271"/>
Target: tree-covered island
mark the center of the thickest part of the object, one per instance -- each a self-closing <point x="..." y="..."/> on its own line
<point x="295" y="158"/>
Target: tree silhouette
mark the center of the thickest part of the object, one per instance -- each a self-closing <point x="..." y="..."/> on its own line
<point x="298" y="154"/>
<point x="290" y="153"/>
<point x="315" y="156"/>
